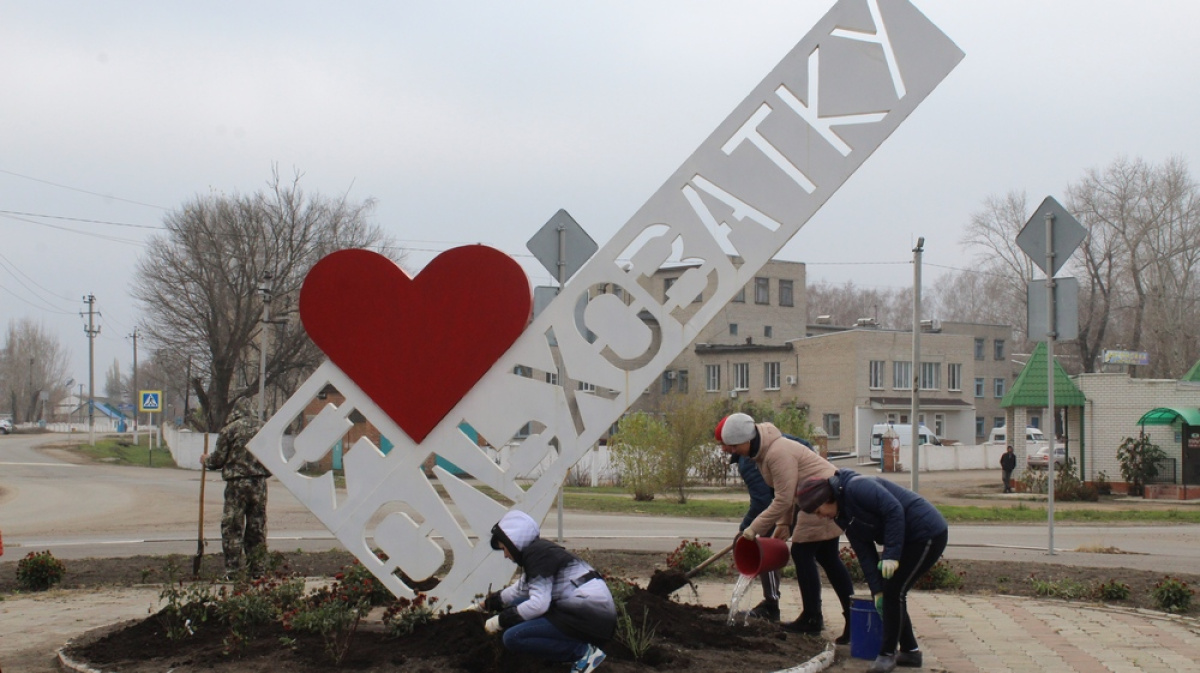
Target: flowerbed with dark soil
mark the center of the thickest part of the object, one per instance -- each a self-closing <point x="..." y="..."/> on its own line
<point x="685" y="636"/>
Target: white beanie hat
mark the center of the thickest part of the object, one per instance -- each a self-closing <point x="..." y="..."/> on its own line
<point x="735" y="429"/>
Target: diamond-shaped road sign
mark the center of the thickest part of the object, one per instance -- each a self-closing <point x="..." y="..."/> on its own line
<point x="1065" y="230"/>
<point x="562" y="240"/>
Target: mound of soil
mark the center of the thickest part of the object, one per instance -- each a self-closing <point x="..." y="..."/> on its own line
<point x="686" y="637"/>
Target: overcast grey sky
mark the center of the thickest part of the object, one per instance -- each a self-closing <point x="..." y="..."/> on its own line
<point x="475" y="121"/>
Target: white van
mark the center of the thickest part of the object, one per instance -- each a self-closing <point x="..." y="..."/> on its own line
<point x="905" y="432"/>
<point x="1034" y="439"/>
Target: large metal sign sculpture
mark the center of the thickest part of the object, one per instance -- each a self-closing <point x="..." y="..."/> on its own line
<point x="746" y="191"/>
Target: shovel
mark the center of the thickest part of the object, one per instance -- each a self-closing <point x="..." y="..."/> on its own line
<point x="200" y="532"/>
<point x="664" y="582"/>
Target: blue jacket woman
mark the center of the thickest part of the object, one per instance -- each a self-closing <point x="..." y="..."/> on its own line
<point x="912" y="533"/>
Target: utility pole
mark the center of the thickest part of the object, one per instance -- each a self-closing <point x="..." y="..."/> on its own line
<point x="92" y="331"/>
<point x="916" y="364"/>
<point x="264" y="336"/>
<point x="134" y="394"/>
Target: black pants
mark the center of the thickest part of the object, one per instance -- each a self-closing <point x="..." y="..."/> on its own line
<point x="1008" y="481"/>
<point x="806" y="556"/>
<point x="916" y="560"/>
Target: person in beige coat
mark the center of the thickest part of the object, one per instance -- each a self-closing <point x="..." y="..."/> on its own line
<point x="785" y="464"/>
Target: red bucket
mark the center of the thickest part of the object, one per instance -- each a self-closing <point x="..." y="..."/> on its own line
<point x="761" y="555"/>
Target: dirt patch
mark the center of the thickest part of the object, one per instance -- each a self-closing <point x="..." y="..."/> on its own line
<point x="686" y="636"/>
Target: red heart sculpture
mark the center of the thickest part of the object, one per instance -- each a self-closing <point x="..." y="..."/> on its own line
<point x="416" y="346"/>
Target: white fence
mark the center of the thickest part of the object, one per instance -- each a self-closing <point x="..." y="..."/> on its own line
<point x="957" y="457"/>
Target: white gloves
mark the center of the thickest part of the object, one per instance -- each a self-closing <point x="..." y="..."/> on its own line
<point x="887" y="568"/>
<point x="492" y="625"/>
<point x="749" y="533"/>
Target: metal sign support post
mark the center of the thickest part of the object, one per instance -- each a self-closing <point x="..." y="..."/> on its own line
<point x="1050" y="334"/>
<point x="562" y="280"/>
<point x="916" y="365"/>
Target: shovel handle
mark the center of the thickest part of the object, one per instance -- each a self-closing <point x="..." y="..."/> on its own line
<point x="709" y="561"/>
<point x="200" y="526"/>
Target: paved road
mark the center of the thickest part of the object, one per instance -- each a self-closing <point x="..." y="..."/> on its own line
<point x="86" y="510"/>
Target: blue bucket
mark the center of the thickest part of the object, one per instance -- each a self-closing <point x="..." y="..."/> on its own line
<point x="866" y="629"/>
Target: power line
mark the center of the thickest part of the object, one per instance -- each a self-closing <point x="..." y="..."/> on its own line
<point x="84" y="219"/>
<point x="13" y="267"/>
<point x="81" y="191"/>
<point x="104" y="237"/>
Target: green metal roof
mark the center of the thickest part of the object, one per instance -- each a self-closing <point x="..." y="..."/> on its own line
<point x="1193" y="374"/>
<point x="1168" y="415"/>
<point x="1030" y="387"/>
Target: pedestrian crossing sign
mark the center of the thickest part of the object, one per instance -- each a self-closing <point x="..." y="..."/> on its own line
<point x="150" y="401"/>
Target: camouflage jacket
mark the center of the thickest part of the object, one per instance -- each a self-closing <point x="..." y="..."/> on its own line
<point x="231" y="456"/>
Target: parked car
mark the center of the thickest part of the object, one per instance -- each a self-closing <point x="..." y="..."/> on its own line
<point x="1040" y="460"/>
<point x="5" y="426"/>
<point x="1033" y="437"/>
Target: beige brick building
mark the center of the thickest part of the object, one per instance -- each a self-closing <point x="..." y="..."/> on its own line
<point x="994" y="373"/>
<point x="852" y="379"/>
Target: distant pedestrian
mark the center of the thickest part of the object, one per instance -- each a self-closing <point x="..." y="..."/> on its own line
<point x="244" y="517"/>
<point x="912" y="533"/>
<point x="1008" y="463"/>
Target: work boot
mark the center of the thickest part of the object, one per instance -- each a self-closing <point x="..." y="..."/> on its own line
<point x="767" y="609"/>
<point x="884" y="663"/>
<point x="844" y="639"/>
<point x="909" y="659"/>
<point x="806" y="624"/>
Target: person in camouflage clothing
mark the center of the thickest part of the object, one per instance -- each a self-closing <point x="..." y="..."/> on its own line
<point x="244" y="519"/>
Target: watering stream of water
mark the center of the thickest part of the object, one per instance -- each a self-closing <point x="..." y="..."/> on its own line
<point x="735" y="601"/>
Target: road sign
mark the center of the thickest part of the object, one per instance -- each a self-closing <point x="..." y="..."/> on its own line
<point x="1066" y="312"/>
<point x="1066" y="233"/>
<point x="150" y="401"/>
<point x="124" y="406"/>
<point x="562" y="236"/>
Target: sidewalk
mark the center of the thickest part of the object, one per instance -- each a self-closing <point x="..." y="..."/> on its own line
<point x="958" y="633"/>
<point x="1007" y="634"/>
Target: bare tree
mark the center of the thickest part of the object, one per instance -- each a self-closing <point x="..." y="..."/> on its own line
<point x="31" y="362"/>
<point x="847" y="303"/>
<point x="114" y="385"/>
<point x="199" y="285"/>
<point x="1139" y="261"/>
<point x="993" y="232"/>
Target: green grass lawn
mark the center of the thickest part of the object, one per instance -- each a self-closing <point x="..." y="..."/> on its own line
<point x="120" y="450"/>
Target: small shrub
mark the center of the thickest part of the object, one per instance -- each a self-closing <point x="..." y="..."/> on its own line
<point x="188" y="605"/>
<point x="404" y="615"/>
<point x="248" y="607"/>
<point x="39" y="571"/>
<point x="850" y="560"/>
<point x="1112" y="590"/>
<point x="689" y="554"/>
<point x="1172" y="595"/>
<point x="639" y="638"/>
<point x="1067" y="589"/>
<point x="1139" y="461"/>
<point x="940" y="577"/>
<point x="1103" y="486"/>
<point x="335" y="612"/>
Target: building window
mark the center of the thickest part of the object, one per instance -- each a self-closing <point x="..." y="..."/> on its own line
<point x="998" y="347"/>
<point x="998" y="422"/>
<point x="902" y="375"/>
<point x="875" y="374"/>
<point x="939" y="424"/>
<point x="833" y="425"/>
<point x="522" y="370"/>
<point x="586" y="387"/>
<point x="762" y="291"/>
<point x="999" y="385"/>
<point x="552" y="378"/>
<point x="681" y="383"/>
<point x="930" y="373"/>
<point x="979" y="348"/>
<point x="979" y="430"/>
<point x="667" y="283"/>
<point x="771" y="375"/>
<point x="953" y="379"/>
<point x="668" y="380"/>
<point x="741" y="376"/>
<point x="740" y="297"/>
<point x="712" y="378"/>
<point x="732" y="329"/>
<point x="785" y="293"/>
<point x="979" y="384"/>
<point x="768" y="331"/>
